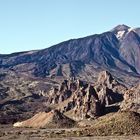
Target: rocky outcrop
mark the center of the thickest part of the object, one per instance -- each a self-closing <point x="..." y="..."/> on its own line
<point x="109" y="90"/>
<point x="84" y="99"/>
<point x="78" y="96"/>
<point x="132" y="100"/>
<point x="106" y="79"/>
<point x="108" y="96"/>
<point x="87" y="104"/>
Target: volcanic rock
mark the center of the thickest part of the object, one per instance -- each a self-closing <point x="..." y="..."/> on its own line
<point x="87" y="104"/>
<point x="132" y="100"/>
<point x="86" y="100"/>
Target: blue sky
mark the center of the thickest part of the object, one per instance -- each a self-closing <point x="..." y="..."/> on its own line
<point x="36" y="24"/>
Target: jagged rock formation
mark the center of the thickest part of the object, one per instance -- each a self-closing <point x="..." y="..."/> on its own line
<point x="106" y="79"/>
<point x="132" y="100"/>
<point x="53" y="119"/>
<point x="86" y="100"/>
<point x="87" y="104"/>
<point x="76" y="95"/>
<point x="109" y="90"/>
<point x="81" y="100"/>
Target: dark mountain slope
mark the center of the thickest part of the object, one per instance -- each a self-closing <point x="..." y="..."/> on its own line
<point x="130" y="49"/>
<point x="111" y="51"/>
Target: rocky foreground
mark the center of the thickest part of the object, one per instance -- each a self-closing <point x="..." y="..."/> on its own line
<point x="113" y="124"/>
<point x="8" y="132"/>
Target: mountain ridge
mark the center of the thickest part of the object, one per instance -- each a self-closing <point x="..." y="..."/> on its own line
<point x="105" y="51"/>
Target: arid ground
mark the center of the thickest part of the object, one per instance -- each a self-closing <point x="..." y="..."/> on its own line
<point x="7" y="132"/>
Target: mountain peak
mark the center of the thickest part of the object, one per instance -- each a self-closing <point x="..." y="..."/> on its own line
<point x="120" y="30"/>
<point x="120" y="27"/>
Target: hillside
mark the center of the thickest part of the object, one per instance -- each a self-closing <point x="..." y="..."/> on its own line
<point x="53" y="119"/>
<point x="120" y="123"/>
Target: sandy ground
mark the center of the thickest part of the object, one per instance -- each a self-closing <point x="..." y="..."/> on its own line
<point x="70" y="138"/>
<point x="7" y="132"/>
